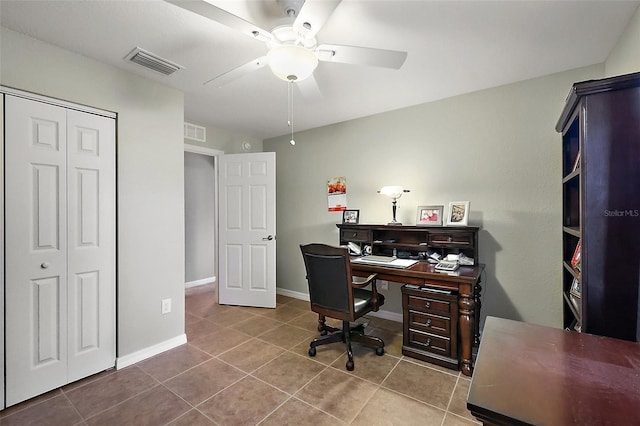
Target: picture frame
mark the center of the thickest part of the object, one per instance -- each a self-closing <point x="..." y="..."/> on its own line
<point x="576" y="289"/>
<point x="351" y="216"/>
<point x="458" y="214"/>
<point x="429" y="215"/>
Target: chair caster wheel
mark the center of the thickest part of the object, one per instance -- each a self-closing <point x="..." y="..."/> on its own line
<point x="323" y="333"/>
<point x="379" y="351"/>
<point x="312" y="351"/>
<point x="350" y="365"/>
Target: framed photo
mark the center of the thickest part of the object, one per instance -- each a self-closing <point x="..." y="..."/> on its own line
<point x="576" y="289"/>
<point x="350" y="216"/>
<point x="429" y="215"/>
<point x="458" y="213"/>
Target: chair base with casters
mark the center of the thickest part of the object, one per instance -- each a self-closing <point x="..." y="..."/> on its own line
<point x="346" y="335"/>
<point x="335" y="293"/>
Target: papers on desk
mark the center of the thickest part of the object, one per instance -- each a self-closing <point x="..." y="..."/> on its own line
<point x="396" y="263"/>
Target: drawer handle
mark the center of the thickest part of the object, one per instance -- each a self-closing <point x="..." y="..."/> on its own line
<point x="355" y="234"/>
<point x="428" y="323"/>
<point x="427" y="304"/>
<point x="449" y="238"/>
<point x="428" y="342"/>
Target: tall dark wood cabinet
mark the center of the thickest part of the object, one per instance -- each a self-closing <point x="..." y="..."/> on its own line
<point x="600" y="126"/>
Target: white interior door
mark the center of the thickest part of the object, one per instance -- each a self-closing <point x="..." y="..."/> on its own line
<point x="60" y="239"/>
<point x="247" y="230"/>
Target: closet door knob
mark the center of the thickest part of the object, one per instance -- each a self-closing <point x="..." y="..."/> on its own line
<point x="44" y="265"/>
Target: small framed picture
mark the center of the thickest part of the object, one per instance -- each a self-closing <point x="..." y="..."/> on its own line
<point x="458" y="213"/>
<point x="429" y="215"/>
<point x="575" y="290"/>
<point x="350" y="216"/>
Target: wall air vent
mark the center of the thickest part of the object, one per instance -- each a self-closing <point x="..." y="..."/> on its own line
<point x="153" y="62"/>
<point x="196" y="133"/>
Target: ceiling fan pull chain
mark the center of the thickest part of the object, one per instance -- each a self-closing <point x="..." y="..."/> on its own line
<point x="290" y="105"/>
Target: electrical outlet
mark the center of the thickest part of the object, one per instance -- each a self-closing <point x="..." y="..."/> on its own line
<point x="166" y="306"/>
<point x="384" y="285"/>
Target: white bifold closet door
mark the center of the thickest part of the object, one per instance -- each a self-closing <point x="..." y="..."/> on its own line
<point x="60" y="246"/>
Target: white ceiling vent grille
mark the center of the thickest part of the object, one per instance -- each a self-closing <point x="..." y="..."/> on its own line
<point x="153" y="62"/>
<point x="196" y="133"/>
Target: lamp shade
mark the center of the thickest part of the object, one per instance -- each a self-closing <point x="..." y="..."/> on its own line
<point x="291" y="62"/>
<point x="392" y="191"/>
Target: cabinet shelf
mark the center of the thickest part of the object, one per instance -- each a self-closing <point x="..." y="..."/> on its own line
<point x="574" y="174"/>
<point x="572" y="230"/>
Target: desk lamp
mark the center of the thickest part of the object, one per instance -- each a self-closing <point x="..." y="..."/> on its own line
<point x="393" y="192"/>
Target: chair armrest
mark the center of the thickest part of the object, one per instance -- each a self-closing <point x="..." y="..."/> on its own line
<point x="361" y="284"/>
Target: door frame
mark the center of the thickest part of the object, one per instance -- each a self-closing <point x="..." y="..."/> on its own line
<point x="196" y="149"/>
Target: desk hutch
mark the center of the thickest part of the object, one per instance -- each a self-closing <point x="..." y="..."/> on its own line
<point x="600" y="126"/>
<point x="441" y="310"/>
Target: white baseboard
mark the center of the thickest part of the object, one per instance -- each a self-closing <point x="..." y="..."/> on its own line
<point x="203" y="281"/>
<point x="127" y="360"/>
<point x="391" y="316"/>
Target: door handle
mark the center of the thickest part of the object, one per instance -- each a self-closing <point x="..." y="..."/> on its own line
<point x="269" y="238"/>
<point x="44" y="265"/>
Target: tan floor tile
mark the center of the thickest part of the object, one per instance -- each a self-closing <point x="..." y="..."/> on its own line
<point x="53" y="411"/>
<point x="453" y="420"/>
<point x="295" y="412"/>
<point x="303" y="305"/>
<point x="155" y="406"/>
<point x="411" y="379"/>
<point x="282" y="299"/>
<point x="284" y="313"/>
<point x="251" y="355"/>
<point x="29" y="403"/>
<point x="229" y="316"/>
<point x="337" y="393"/>
<point x="325" y="354"/>
<point x="200" y="328"/>
<point x="307" y="320"/>
<point x="392" y="341"/>
<point x="173" y="362"/>
<point x="245" y="403"/>
<point x="385" y="324"/>
<point x="256" y="325"/>
<point x="389" y="408"/>
<point x="458" y="404"/>
<point x="368" y="365"/>
<point x="192" y="418"/>
<point x="289" y="372"/>
<point x="220" y="341"/>
<point x="110" y="390"/>
<point x="286" y="336"/>
<point x="203" y="381"/>
<point x="84" y="381"/>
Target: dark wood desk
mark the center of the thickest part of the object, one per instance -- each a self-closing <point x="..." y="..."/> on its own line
<point x="529" y="374"/>
<point x="464" y="284"/>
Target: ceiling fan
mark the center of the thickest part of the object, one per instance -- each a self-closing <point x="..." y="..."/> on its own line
<point x="294" y="51"/>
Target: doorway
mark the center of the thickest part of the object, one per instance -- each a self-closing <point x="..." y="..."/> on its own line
<point x="200" y="215"/>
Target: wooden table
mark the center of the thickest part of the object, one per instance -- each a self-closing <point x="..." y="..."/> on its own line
<point x="530" y="374"/>
<point x="464" y="283"/>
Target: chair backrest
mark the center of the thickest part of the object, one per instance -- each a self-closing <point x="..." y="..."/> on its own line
<point x="329" y="279"/>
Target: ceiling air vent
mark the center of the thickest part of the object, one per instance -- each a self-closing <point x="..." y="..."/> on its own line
<point x="151" y="61"/>
<point x="196" y="133"/>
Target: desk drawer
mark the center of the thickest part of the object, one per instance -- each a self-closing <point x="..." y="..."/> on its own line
<point x="427" y="303"/>
<point x="459" y="239"/>
<point x="356" y="235"/>
<point x="430" y="323"/>
<point x="430" y="342"/>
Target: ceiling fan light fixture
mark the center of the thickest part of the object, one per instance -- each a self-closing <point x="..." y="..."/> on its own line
<point x="291" y="62"/>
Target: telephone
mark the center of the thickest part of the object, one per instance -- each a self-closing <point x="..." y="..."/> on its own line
<point x="432" y="256"/>
<point x="447" y="265"/>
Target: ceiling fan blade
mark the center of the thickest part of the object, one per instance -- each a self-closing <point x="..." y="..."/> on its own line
<point x="309" y="88"/>
<point x="223" y="17"/>
<point x="361" y="55"/>
<point x="313" y="15"/>
<point x="236" y="73"/>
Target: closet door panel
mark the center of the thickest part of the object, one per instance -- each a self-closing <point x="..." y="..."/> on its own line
<point x="36" y="261"/>
<point x="91" y="187"/>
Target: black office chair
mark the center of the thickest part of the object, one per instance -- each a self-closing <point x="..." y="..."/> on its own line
<point x="334" y="293"/>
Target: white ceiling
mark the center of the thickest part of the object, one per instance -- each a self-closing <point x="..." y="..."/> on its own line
<point x="453" y="47"/>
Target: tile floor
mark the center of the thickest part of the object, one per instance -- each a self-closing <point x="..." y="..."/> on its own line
<point x="248" y="366"/>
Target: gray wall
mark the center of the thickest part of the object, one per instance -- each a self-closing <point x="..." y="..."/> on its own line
<point x="149" y="182"/>
<point x="199" y="216"/>
<point x="625" y="57"/>
<point x="496" y="148"/>
<point x="224" y="140"/>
